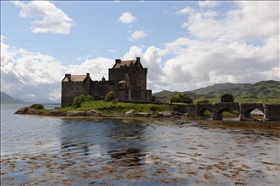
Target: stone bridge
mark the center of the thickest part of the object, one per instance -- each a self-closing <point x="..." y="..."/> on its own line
<point x="270" y="111"/>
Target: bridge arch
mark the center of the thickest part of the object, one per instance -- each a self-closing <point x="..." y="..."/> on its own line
<point x="220" y="113"/>
<point x="247" y="108"/>
<point x="201" y="108"/>
<point x="219" y="108"/>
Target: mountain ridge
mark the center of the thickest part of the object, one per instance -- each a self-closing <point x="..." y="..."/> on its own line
<point x="261" y="89"/>
<point x="6" y="99"/>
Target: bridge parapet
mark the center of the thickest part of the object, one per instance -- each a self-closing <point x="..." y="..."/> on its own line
<point x="187" y="108"/>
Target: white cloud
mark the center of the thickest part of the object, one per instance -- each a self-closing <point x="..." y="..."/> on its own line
<point x="110" y="50"/>
<point x="139" y="34"/>
<point x="48" y="17"/>
<point x="241" y="23"/>
<point x="184" y="11"/>
<point x="209" y="4"/>
<point x="33" y="76"/>
<point x="127" y="18"/>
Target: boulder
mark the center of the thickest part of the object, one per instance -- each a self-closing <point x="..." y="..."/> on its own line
<point x="143" y="114"/>
<point x="129" y="113"/>
<point x="165" y="113"/>
<point x="75" y="113"/>
<point x="93" y="112"/>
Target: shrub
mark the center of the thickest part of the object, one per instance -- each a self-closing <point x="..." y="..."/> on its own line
<point x="227" y="98"/>
<point x="37" y="106"/>
<point x="203" y="101"/>
<point x="110" y="96"/>
<point x="81" y="99"/>
<point x="153" y="108"/>
<point x="181" y="98"/>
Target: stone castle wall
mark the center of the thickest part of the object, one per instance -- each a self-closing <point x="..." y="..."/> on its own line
<point x="128" y="81"/>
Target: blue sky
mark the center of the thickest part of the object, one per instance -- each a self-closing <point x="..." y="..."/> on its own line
<point x="185" y="45"/>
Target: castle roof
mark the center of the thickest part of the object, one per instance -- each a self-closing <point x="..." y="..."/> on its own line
<point x="123" y="63"/>
<point x="75" y="78"/>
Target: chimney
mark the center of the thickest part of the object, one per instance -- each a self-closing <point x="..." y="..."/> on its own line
<point x="138" y="61"/>
<point x="118" y="61"/>
<point x="68" y="76"/>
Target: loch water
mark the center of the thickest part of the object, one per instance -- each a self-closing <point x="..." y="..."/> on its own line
<point x="41" y="150"/>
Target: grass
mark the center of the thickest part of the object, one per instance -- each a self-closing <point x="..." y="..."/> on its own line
<point x="119" y="107"/>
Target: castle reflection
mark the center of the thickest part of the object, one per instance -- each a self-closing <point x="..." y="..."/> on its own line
<point x="119" y="140"/>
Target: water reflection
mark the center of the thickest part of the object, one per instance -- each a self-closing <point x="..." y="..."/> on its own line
<point x="122" y="140"/>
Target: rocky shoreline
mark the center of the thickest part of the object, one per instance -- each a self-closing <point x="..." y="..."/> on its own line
<point x="91" y="113"/>
<point x="177" y="117"/>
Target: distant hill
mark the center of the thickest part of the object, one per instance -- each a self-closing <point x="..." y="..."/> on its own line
<point x="223" y="88"/>
<point x="262" y="89"/>
<point x="6" y="99"/>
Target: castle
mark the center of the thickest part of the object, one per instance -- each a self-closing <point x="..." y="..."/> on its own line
<point x="128" y="79"/>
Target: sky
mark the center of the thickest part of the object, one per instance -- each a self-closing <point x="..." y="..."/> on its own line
<point x="184" y="44"/>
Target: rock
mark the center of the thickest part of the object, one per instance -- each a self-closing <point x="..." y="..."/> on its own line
<point x="154" y="116"/>
<point x="130" y="112"/>
<point x="175" y="117"/>
<point x="22" y="110"/>
<point x="56" y="113"/>
<point x="143" y="114"/>
<point x="177" y="113"/>
<point x="165" y="113"/>
<point x="93" y="112"/>
<point x="75" y="113"/>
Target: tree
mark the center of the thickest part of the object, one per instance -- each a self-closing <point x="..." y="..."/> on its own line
<point x="227" y="98"/>
<point x="181" y="98"/>
<point x="110" y="96"/>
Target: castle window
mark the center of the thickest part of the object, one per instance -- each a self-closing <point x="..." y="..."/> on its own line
<point x="77" y="88"/>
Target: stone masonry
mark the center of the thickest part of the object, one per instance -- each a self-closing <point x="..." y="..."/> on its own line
<point x="128" y="79"/>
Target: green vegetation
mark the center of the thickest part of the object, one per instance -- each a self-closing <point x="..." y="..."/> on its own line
<point x="37" y="106"/>
<point x="81" y="99"/>
<point x="110" y="96"/>
<point x="263" y="89"/>
<point x="227" y="98"/>
<point x="110" y="107"/>
<point x="181" y="98"/>
<point x="203" y="101"/>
